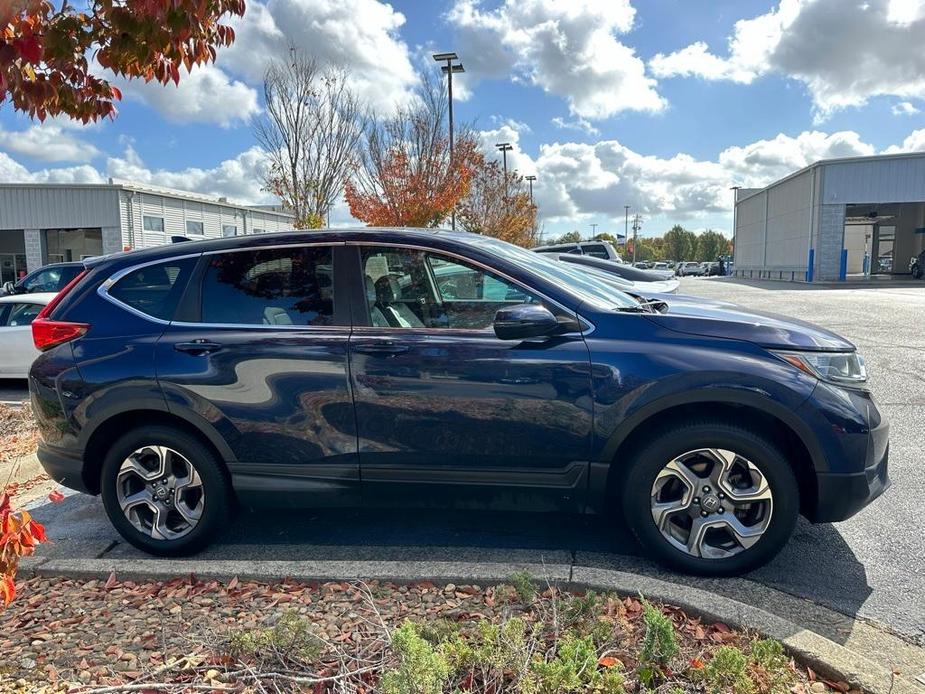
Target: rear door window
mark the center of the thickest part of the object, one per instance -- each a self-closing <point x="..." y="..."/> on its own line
<point x="22" y="315"/>
<point x="154" y="290"/>
<point x="596" y="250"/>
<point x="278" y="287"/>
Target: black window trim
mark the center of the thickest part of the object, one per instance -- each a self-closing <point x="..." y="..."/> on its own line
<point x="365" y="325"/>
<point x="189" y="305"/>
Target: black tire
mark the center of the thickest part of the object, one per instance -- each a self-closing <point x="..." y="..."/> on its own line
<point x="216" y="490"/>
<point x="647" y="461"/>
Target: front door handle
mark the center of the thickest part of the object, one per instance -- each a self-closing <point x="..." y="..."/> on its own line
<point x="381" y="348"/>
<point x="197" y="347"/>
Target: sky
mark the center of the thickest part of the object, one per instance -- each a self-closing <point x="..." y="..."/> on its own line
<point x="661" y="105"/>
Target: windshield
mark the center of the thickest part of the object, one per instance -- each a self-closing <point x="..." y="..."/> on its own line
<point x="602" y="295"/>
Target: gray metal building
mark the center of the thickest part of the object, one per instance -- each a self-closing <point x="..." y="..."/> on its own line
<point x="836" y="219"/>
<point x="45" y="223"/>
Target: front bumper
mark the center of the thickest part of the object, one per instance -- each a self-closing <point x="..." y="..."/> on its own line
<point x="840" y="496"/>
<point x="63" y="466"/>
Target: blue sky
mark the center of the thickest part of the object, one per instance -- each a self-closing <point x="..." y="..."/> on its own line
<point x="659" y="104"/>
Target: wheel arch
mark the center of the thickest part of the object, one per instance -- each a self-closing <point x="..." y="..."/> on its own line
<point x="118" y="423"/>
<point x="769" y="419"/>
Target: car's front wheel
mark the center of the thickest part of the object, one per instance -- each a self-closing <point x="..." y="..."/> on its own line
<point x="711" y="498"/>
<point x="164" y="491"/>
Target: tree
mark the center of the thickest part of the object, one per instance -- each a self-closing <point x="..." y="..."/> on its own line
<point x="680" y="244"/>
<point x="711" y="245"/>
<point x="570" y="237"/>
<point x="610" y="238"/>
<point x="404" y="176"/>
<point x="498" y="207"/>
<point x="44" y="66"/>
<point x="310" y="130"/>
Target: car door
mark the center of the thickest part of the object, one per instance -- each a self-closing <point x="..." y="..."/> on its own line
<point x="259" y="349"/>
<point x="442" y="402"/>
<point x="17" y="352"/>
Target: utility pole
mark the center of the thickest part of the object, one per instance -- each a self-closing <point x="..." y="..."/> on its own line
<point x="626" y="226"/>
<point x="531" y="178"/>
<point x="448" y="70"/>
<point x="637" y="225"/>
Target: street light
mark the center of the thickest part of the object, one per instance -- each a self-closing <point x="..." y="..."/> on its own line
<point x="505" y="147"/>
<point x="448" y="70"/>
<point x="531" y="178"/>
<point x="593" y="230"/>
<point x="626" y="226"/>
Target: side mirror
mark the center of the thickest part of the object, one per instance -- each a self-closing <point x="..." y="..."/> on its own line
<point x="524" y="320"/>
<point x="8" y="287"/>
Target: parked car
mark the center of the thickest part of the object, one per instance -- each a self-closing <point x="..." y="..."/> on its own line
<point x="597" y="249"/>
<point x="643" y="280"/>
<point x="334" y="367"/>
<point x="642" y="264"/>
<point x="689" y="268"/>
<point x="17" y="352"/>
<point x="49" y="278"/>
<point x="711" y="269"/>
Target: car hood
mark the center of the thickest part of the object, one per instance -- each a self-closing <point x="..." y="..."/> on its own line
<point x="729" y="321"/>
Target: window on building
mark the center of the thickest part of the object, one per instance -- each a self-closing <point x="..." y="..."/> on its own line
<point x="229" y="230"/>
<point x="194" y="228"/>
<point x="154" y="289"/>
<point x="153" y="223"/>
<point x="283" y="286"/>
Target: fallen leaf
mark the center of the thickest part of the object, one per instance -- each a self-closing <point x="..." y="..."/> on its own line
<point x="608" y="661"/>
<point x="111" y="581"/>
<point x="56" y="497"/>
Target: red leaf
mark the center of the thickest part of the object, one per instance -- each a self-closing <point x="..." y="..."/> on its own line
<point x="719" y="626"/>
<point x="111" y="581"/>
<point x="697" y="664"/>
<point x="608" y="661"/>
<point x="56" y="497"/>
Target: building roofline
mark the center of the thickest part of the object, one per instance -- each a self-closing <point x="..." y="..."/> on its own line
<point x="837" y="160"/>
<point x="152" y="190"/>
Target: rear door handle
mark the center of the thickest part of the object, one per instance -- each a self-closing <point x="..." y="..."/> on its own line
<point x="381" y="348"/>
<point x="197" y="347"/>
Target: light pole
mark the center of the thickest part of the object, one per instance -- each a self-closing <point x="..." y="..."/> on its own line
<point x="448" y="70"/>
<point x="593" y="230"/>
<point x="531" y="178"/>
<point x="505" y="147"/>
<point x="735" y="198"/>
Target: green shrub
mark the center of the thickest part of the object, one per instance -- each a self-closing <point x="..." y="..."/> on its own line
<point x="727" y="671"/>
<point x="421" y="669"/>
<point x="771" y="666"/>
<point x="522" y="581"/>
<point x="659" y="644"/>
<point x="288" y="642"/>
<point x="573" y="669"/>
<point x="579" y="607"/>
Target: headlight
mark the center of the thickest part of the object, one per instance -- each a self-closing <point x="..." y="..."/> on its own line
<point x="841" y="368"/>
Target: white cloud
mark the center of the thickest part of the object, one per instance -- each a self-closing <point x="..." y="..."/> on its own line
<point x="914" y="143"/>
<point x="579" y="124"/>
<point x="206" y="95"/>
<point x="569" y="49"/>
<point x="360" y="35"/>
<point x="48" y="141"/>
<point x="843" y="52"/>
<point x="904" y="108"/>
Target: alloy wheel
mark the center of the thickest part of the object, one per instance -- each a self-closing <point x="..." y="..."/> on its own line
<point x="711" y="503"/>
<point x="160" y="492"/>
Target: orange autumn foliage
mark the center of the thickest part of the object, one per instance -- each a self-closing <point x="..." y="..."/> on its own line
<point x="19" y="536"/>
<point x="44" y="66"/>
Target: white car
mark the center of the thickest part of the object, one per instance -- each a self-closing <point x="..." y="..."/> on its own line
<point x="17" y="352"/>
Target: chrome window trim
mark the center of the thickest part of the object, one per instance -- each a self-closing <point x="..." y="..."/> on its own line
<point x="109" y="282"/>
<point x="494" y="271"/>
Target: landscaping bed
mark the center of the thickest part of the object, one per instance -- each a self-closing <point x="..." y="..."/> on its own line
<point x="192" y="635"/>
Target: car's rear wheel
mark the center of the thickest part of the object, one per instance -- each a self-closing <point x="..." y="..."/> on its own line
<point x="711" y="498"/>
<point x="164" y="491"/>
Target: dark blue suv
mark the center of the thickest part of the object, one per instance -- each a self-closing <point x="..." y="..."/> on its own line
<point x="402" y="366"/>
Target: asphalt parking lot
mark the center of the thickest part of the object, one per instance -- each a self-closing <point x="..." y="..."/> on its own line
<point x="872" y="566"/>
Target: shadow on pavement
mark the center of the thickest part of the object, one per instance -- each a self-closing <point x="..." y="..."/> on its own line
<point x="816" y="565"/>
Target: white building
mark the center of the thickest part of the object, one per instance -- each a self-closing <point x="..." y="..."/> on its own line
<point x="46" y="223"/>
<point x="834" y="219"/>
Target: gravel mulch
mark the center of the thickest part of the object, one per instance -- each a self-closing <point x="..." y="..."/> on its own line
<point x="95" y="636"/>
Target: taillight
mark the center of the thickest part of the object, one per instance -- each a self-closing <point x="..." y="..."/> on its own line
<point x="47" y="333"/>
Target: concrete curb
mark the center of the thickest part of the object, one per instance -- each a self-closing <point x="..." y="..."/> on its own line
<point x="826" y="657"/>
